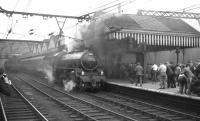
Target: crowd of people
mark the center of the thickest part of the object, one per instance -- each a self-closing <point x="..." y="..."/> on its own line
<point x="168" y="74"/>
<point x="172" y="75"/>
<point x="133" y="72"/>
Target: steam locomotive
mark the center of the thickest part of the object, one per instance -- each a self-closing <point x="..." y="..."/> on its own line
<point x="82" y="67"/>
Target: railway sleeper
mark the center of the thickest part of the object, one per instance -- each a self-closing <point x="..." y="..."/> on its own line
<point x="19" y="113"/>
<point x="91" y="111"/>
<point x="102" y="117"/>
<point x="22" y="118"/>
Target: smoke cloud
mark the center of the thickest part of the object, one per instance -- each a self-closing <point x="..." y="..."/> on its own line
<point x="48" y="70"/>
<point x="69" y="85"/>
<point x="109" y="51"/>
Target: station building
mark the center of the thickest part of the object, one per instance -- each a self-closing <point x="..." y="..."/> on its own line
<point x="152" y="40"/>
<point x="130" y="38"/>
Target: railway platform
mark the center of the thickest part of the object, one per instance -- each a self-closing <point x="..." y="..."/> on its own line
<point x="151" y="86"/>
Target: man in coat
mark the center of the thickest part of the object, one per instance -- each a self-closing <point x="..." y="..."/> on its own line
<point x="4" y="83"/>
<point x="139" y="73"/>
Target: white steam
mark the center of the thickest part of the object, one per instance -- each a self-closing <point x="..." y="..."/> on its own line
<point x="69" y="85"/>
<point x="48" y="70"/>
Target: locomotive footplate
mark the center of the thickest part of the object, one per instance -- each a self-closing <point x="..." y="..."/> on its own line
<point x="93" y="80"/>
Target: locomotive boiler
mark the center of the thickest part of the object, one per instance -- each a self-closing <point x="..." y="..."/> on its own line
<point x="83" y="67"/>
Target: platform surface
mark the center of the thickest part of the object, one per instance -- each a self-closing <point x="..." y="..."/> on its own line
<point x="151" y="86"/>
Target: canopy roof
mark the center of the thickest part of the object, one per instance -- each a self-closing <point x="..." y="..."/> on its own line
<point x="149" y="23"/>
<point x="162" y="33"/>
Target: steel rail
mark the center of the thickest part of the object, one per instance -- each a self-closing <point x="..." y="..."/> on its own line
<point x="3" y="111"/>
<point x="147" y="104"/>
<point x="84" y="101"/>
<point x="37" y="112"/>
<point x="132" y="108"/>
<point x="58" y="101"/>
<point x="167" y="109"/>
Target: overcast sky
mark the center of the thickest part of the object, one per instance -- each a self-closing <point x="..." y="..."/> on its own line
<point x="21" y="26"/>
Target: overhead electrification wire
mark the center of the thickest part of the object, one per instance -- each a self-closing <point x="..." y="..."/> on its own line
<point x="70" y="27"/>
<point x="12" y="24"/>
<point x="121" y="4"/>
<point x="112" y="6"/>
<point x="94" y="10"/>
<point x="75" y="39"/>
<point x="16" y="5"/>
<point x="189" y="8"/>
<point x="192" y="7"/>
<point x="24" y="10"/>
<point x="101" y="7"/>
<point x="106" y="8"/>
<point x="27" y="5"/>
<point x="11" y="28"/>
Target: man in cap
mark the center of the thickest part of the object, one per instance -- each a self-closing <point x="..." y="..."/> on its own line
<point x="139" y="73"/>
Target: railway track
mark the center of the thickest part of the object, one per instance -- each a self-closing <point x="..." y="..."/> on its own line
<point x="140" y="110"/>
<point x="143" y="110"/>
<point x="78" y="109"/>
<point x="175" y="101"/>
<point x="18" y="108"/>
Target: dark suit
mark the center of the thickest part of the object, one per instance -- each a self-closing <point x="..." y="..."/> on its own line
<point x="4" y="87"/>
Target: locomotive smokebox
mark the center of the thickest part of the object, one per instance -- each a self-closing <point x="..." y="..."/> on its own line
<point x="84" y="64"/>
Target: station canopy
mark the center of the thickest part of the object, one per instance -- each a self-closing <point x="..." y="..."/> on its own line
<point x="155" y="32"/>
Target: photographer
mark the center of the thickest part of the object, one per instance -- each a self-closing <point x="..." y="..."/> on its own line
<point x="4" y="83"/>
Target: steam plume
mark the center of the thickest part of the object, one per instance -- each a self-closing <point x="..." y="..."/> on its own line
<point x="47" y="69"/>
<point x="69" y="85"/>
<point x="109" y="51"/>
<point x="49" y="73"/>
